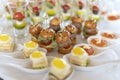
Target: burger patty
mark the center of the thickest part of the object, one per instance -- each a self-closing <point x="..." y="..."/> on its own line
<point x="78" y="25"/>
<point x="64" y="44"/>
<point x="55" y="27"/>
<point x="46" y="42"/>
<point x="90" y="31"/>
<point x="73" y="36"/>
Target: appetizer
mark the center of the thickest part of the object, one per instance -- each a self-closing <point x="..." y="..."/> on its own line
<point x="36" y="10"/>
<point x="95" y="9"/>
<point x="77" y="22"/>
<point x="113" y="17"/>
<point x="99" y="42"/>
<point x="94" y="17"/>
<point x="95" y="13"/>
<point x="19" y="20"/>
<point x="6" y="43"/>
<point x="79" y="57"/>
<point x="73" y="31"/>
<point x="46" y="39"/>
<point x="66" y="11"/>
<point x="88" y="49"/>
<point x="55" y="24"/>
<point x="81" y="8"/>
<point x="63" y="41"/>
<point x="29" y="47"/>
<point x="8" y="16"/>
<point x="65" y="7"/>
<point x="35" y="30"/>
<point x="108" y="35"/>
<point x="36" y="18"/>
<point x="10" y="7"/>
<point x="80" y="4"/>
<point x="39" y="60"/>
<point x="90" y="28"/>
<point x="51" y="7"/>
<point x="50" y="3"/>
<point x="59" y="69"/>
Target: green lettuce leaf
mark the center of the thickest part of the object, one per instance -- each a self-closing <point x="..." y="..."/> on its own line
<point x="41" y="38"/>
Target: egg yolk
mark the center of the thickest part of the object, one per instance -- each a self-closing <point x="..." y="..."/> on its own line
<point x="30" y="44"/>
<point x="59" y="63"/>
<point x="4" y="37"/>
<point x="37" y="54"/>
<point x="78" y="51"/>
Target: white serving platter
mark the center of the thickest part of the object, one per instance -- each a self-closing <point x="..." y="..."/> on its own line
<point x="100" y="61"/>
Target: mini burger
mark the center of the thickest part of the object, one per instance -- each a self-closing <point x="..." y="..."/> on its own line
<point x="46" y="39"/>
<point x="73" y="31"/>
<point x="64" y="42"/>
<point x="55" y="24"/>
<point x="77" y="22"/>
<point x="89" y="28"/>
<point x="34" y="30"/>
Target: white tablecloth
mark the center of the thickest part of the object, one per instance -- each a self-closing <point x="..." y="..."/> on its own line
<point x="112" y="73"/>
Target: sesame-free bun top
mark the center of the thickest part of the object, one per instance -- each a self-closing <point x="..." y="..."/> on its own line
<point x="35" y="29"/>
<point x="71" y="29"/>
<point x="91" y="24"/>
<point x="55" y="21"/>
<point x="77" y="19"/>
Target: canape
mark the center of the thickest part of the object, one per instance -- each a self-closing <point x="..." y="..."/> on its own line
<point x="79" y="57"/>
<point x="34" y="30"/>
<point x="66" y="8"/>
<point x="88" y="48"/>
<point x="36" y="18"/>
<point x="51" y="7"/>
<point x="63" y="41"/>
<point x="39" y="60"/>
<point x="100" y="43"/>
<point x="109" y="35"/>
<point x="46" y="39"/>
<point x="81" y="8"/>
<point x="55" y="24"/>
<point x="95" y="13"/>
<point x="112" y="21"/>
<point x="77" y="22"/>
<point x="29" y="47"/>
<point x="90" y="28"/>
<point x="59" y="69"/>
<point x="95" y="9"/>
<point x="113" y="17"/>
<point x="19" y="20"/>
<point x="6" y="43"/>
<point x="73" y="31"/>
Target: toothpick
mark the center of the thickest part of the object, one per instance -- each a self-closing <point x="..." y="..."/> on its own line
<point x="46" y="21"/>
<point x="61" y="20"/>
<point x="99" y="40"/>
<point x="71" y="6"/>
